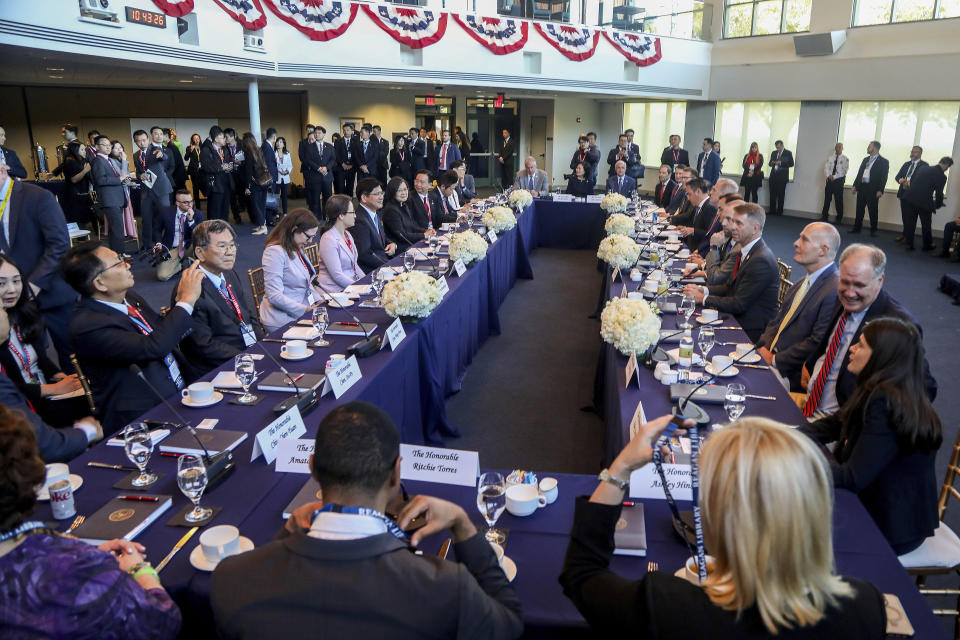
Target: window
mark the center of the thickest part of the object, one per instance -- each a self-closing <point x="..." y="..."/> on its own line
<point x="898" y="126"/>
<point x="739" y="124"/>
<point x="867" y="12"/>
<point x="653" y="123"/>
<point x="744" y="18"/>
<point x="677" y="18"/>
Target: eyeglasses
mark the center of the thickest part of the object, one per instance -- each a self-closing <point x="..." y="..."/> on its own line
<point x="223" y="247"/>
<point x="308" y="236"/>
<point x="376" y="194"/>
<point x="126" y="261"/>
<point x="190" y="201"/>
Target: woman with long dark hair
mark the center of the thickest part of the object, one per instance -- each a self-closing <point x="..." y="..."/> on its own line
<point x="887" y="434"/>
<point x="257" y="182"/>
<point x="192" y="156"/>
<point x="284" y="169"/>
<point x="579" y="184"/>
<point x="398" y="219"/>
<point x="401" y="162"/>
<point x="338" y="267"/>
<point x="287" y="273"/>
<point x="752" y="178"/>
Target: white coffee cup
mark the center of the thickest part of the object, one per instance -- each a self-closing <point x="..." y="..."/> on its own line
<point x="683" y="253"/>
<point x="497" y="549"/>
<point x="661" y="369"/>
<point x="690" y="568"/>
<point x="636" y="275"/>
<point x="335" y="360"/>
<point x="294" y="348"/>
<point x="719" y="363"/>
<point x="220" y="542"/>
<point x="548" y="487"/>
<point x="340" y="297"/>
<point x="744" y="349"/>
<point x="669" y="377"/>
<point x="524" y="499"/>
<point x="55" y="472"/>
<point x="198" y="392"/>
<point x="709" y="315"/>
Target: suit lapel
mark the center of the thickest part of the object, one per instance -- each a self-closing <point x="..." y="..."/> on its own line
<point x="16" y="210"/>
<point x="214" y="294"/>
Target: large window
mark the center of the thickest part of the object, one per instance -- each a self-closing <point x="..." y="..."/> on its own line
<point x="742" y="18"/>
<point x="898" y="126"/>
<point x="741" y="123"/>
<point x="653" y="123"/>
<point x="867" y="12"/>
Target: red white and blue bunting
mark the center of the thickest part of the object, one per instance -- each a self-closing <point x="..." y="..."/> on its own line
<point x="643" y="50"/>
<point x="248" y="13"/>
<point x="174" y="8"/>
<point x="320" y="19"/>
<point x="576" y="43"/>
<point x="416" y="28"/>
<point x="499" y="35"/>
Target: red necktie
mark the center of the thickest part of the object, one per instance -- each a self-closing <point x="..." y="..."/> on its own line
<point x="816" y="389"/>
<point x="736" y="267"/>
<point x="443" y="156"/>
<point x="426" y="203"/>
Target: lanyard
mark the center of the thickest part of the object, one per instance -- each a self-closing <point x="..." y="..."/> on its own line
<point x="695" y="486"/>
<point x="219" y="152"/>
<point x="6" y="198"/>
<point x="306" y="265"/>
<point x="362" y="511"/>
<point x="26" y="527"/>
<point x="112" y="166"/>
<point x="143" y="158"/>
<point x="230" y="298"/>
<point x="139" y="320"/>
<point x="676" y="156"/>
<point x="22" y="358"/>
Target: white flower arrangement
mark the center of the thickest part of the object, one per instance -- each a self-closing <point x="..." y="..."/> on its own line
<point x="499" y="219"/>
<point x="619" y="251"/>
<point x="412" y="294"/>
<point x="614" y="203"/>
<point x="619" y="223"/>
<point x="630" y="325"/>
<point x="520" y="198"/>
<point x="468" y="246"/>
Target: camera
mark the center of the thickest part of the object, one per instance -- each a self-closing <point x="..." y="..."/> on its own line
<point x="158" y="255"/>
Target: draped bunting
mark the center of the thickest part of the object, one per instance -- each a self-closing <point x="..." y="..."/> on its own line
<point x="174" y="8"/>
<point x="320" y="19"/>
<point x="576" y="43"/>
<point x="499" y="35"/>
<point x="644" y="50"/>
<point x="248" y="13"/>
<point x="416" y="28"/>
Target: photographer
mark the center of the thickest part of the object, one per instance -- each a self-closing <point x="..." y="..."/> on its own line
<point x="176" y="228"/>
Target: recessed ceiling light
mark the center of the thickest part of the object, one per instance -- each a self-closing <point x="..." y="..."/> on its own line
<point x="200" y="77"/>
<point x="54" y="69"/>
<point x="296" y="84"/>
<point x="55" y="77"/>
<point x="186" y="81"/>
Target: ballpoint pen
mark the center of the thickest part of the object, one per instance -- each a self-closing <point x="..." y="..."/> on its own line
<point x="117" y="467"/>
<point x="140" y="498"/>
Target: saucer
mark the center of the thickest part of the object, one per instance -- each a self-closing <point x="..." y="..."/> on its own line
<point x="214" y="399"/>
<point x="750" y="358"/>
<point x="717" y="321"/>
<point x="509" y="568"/>
<point x="303" y="357"/>
<point x="75" y="483"/>
<point x="199" y="561"/>
<point x="332" y="304"/>
<point x="727" y="373"/>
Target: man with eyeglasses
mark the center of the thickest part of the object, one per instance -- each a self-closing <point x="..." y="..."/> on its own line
<point x="373" y="249"/>
<point x="177" y="223"/>
<point x="224" y="321"/>
<point x="113" y="327"/>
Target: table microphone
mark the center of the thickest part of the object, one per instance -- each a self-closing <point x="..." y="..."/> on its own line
<point x="695" y="412"/>
<point x="659" y="355"/>
<point x="434" y="260"/>
<point x="362" y="348"/>
<point x="220" y="466"/>
<point x="305" y="400"/>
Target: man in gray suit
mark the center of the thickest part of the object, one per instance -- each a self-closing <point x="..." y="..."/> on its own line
<point x="751" y="294"/>
<point x="108" y="183"/>
<point x="532" y="179"/>
<point x="807" y="310"/>
<point x="342" y="569"/>
<point x="153" y="164"/>
<point x="717" y="266"/>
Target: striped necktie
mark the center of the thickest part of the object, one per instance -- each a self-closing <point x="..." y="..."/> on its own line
<point x="816" y="389"/>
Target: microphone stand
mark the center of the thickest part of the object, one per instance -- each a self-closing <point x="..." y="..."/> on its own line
<point x="362" y="348"/>
<point x="699" y="414"/>
<point x="306" y="401"/>
<point x="436" y="263"/>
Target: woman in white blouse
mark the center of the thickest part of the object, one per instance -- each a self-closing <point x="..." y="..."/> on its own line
<point x="284" y="169"/>
<point x="287" y="273"/>
<point x="338" y="252"/>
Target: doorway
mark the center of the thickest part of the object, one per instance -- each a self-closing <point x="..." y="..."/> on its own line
<point x="485" y="123"/>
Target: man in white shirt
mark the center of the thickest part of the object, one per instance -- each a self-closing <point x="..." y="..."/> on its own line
<point x="903" y="177"/>
<point x="835" y="171"/>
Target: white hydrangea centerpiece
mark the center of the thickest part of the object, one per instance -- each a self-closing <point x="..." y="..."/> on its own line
<point x="411" y="295"/>
<point x="520" y="198"/>
<point x="468" y="246"/>
<point x="619" y="223"/>
<point x="499" y="219"/>
<point x="619" y="251"/>
<point x="630" y="325"/>
<point x="614" y="203"/>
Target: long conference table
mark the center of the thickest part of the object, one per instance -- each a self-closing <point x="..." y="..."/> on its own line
<point x="412" y="384"/>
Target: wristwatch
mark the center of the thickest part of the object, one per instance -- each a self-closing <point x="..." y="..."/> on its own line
<point x="606" y="476"/>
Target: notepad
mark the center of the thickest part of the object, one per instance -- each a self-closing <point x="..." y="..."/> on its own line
<point x="215" y="440"/>
<point x="123" y="519"/>
<point x="278" y="381"/>
<point x="156" y="435"/>
<point x="630" y="535"/>
<point x="351" y="329"/>
<point x="300" y="333"/>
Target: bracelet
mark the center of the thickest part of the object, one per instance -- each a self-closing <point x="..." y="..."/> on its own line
<point x="142" y="568"/>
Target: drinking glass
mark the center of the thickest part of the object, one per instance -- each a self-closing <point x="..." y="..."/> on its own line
<point x="378" y="283"/>
<point x="705" y="340"/>
<point x="192" y="480"/>
<point x="409" y="261"/>
<point x="735" y="400"/>
<point x="492" y="500"/>
<point x="138" y="444"/>
<point x="245" y="368"/>
<point x="434" y="242"/>
<point x="320" y="319"/>
<point x="687" y="305"/>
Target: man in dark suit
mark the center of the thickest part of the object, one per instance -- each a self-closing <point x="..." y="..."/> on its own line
<point x="308" y="139"/>
<point x="704" y="220"/>
<point x="153" y="165"/>
<point x="717" y="264"/>
<point x="270" y="153"/>
<point x="505" y="160"/>
<point x="442" y="212"/>
<point x="673" y="156"/>
<point x="860" y="299"/>
<point x="751" y="294"/>
<point x="382" y="590"/>
<point x="869" y="185"/>
<point x="679" y="198"/>
<point x="318" y="162"/>
<point x="431" y="142"/>
<point x="177" y="223"/>
<point x="807" y="310"/>
<point x="238" y="188"/>
<point x="780" y="162"/>
<point x="373" y="250"/>
<point x="9" y="157"/>
<point x="634" y="165"/>
<point x="447" y="152"/>
<point x="216" y="163"/>
<point x="224" y="321"/>
<point x="620" y="182"/>
<point x="663" y="192"/>
<point x="113" y="328"/>
<point x="348" y="159"/>
<point x="423" y="202"/>
<point x="922" y="198"/>
<point x="903" y="177"/>
<point x="368" y="153"/>
<point x="708" y="162"/>
<point x="618" y="153"/>
<point x="33" y="233"/>
<point x="418" y="149"/>
<point x="383" y="154"/>
<point x="111" y="199"/>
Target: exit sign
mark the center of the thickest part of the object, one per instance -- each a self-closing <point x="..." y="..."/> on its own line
<point x="430" y="101"/>
<point x="498" y="101"/>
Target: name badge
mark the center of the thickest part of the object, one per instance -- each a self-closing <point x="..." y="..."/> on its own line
<point x="288" y="425"/>
<point x="249" y="335"/>
<point x="459" y="267"/>
<point x="174" y="370"/>
<point x="492" y="236"/>
<point x="293" y="455"/>
<point x="442" y="285"/>
<point x="395" y="334"/>
<point x="434" y="464"/>
<point x="311" y="299"/>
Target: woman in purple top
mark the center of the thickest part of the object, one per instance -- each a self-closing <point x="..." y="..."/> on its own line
<point x="55" y="586"/>
<point x="338" y="267"/>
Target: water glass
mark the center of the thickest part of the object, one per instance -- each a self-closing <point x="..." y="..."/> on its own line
<point x="734" y="401"/>
<point x="138" y="444"/>
<point x="434" y="242"/>
<point x="687" y="305"/>
<point x="245" y="368"/>
<point x="409" y="261"/>
<point x="192" y="480"/>
<point x="320" y="319"/>
<point x="705" y="340"/>
<point x="491" y="501"/>
<point x="378" y="283"/>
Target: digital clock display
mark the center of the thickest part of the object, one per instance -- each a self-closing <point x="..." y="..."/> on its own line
<point x="149" y="18"/>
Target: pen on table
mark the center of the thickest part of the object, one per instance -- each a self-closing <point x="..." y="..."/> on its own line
<point x="297" y="377"/>
<point x="272" y="340"/>
<point x="349" y="324"/>
<point x="140" y="498"/>
<point x="750" y="395"/>
<point x="628" y="503"/>
<point x="117" y="467"/>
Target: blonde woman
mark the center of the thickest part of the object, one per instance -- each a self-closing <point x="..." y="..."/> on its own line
<point x="766" y="499"/>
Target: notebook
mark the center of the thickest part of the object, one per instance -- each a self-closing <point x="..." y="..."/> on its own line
<point x="351" y="329"/>
<point x="156" y="435"/>
<point x="300" y="333"/>
<point x="630" y="535"/>
<point x="123" y="519"/>
<point x="277" y="381"/>
<point x="310" y="492"/>
<point x="215" y="440"/>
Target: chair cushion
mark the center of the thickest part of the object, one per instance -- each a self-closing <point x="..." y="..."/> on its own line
<point x="942" y="549"/>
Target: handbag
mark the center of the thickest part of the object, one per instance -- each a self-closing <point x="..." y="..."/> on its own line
<point x="272" y="202"/>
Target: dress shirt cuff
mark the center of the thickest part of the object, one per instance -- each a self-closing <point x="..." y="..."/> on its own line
<point x="88" y="430"/>
<point x="186" y="307"/>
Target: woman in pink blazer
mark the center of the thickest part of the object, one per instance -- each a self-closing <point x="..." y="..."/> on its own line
<point x="338" y="252"/>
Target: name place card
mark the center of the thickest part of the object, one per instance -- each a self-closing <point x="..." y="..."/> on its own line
<point x="623" y="292"/>
<point x="344" y="377"/>
<point x="442" y="285"/>
<point x="562" y="197"/>
<point x="459" y="267"/>
<point x="645" y="482"/>
<point x="595" y="198"/>
<point x="293" y="456"/>
<point x="395" y="334"/>
<point x="631" y="370"/>
<point x="639" y="417"/>
<point x="492" y="236"/>
<point x="615" y="274"/>
<point x="288" y="425"/>
<point x="433" y="464"/>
